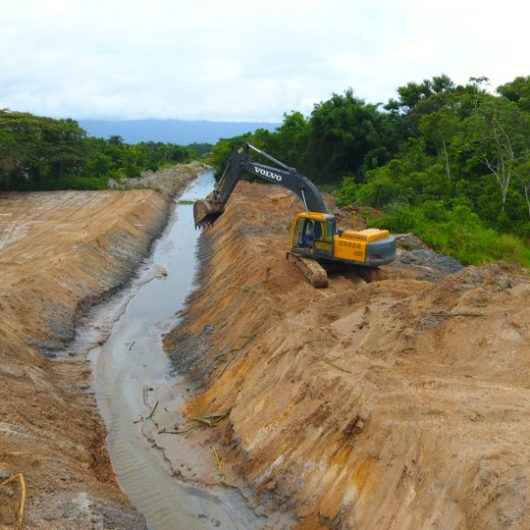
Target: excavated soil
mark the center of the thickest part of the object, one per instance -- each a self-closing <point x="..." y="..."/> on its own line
<point x="397" y="404"/>
<point x="167" y="180"/>
<point x="61" y="252"/>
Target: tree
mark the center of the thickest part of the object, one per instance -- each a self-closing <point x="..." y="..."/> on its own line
<point x="343" y="131"/>
<point x="44" y="153"/>
<point x="413" y="94"/>
<point x="439" y="128"/>
<point x="517" y="91"/>
<point x="36" y="148"/>
<point x="505" y="134"/>
<point x="455" y="143"/>
<point x="293" y="140"/>
<point x="523" y="172"/>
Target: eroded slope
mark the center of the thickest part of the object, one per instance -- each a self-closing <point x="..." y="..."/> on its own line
<point x="59" y="252"/>
<point x="399" y="404"/>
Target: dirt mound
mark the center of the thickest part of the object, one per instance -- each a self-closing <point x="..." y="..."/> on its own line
<point x="395" y="404"/>
<point x="167" y="180"/>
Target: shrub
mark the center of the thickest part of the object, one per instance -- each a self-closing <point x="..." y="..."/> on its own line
<point x="456" y="231"/>
<point x="346" y="193"/>
<point x="67" y="183"/>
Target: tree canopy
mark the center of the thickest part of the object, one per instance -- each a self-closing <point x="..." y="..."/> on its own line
<point x="45" y="153"/>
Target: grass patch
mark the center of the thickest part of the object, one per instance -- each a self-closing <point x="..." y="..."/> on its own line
<point x="455" y="231"/>
<point x="67" y="183"/>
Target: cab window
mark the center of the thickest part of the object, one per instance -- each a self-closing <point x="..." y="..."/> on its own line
<point x="308" y="233"/>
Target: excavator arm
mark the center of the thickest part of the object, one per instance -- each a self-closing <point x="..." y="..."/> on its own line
<point x="240" y="163"/>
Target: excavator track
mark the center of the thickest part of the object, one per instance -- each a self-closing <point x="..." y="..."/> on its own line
<point x="314" y="273"/>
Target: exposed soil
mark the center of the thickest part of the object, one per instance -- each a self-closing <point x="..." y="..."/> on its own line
<point x="167" y="180"/>
<point x="397" y="404"/>
<point x="60" y="252"/>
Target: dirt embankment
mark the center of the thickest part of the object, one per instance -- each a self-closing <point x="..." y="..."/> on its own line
<point x="397" y="404"/>
<point x="59" y="253"/>
<point x="167" y="180"/>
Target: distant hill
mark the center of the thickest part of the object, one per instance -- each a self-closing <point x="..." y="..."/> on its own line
<point x="181" y="132"/>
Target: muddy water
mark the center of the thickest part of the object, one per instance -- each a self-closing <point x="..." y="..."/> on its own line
<point x="132" y="375"/>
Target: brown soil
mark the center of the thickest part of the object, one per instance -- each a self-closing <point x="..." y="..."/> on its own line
<point x="397" y="404"/>
<point x="166" y="180"/>
<point x="59" y="253"/>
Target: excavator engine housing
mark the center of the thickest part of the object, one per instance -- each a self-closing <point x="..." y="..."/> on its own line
<point x="314" y="234"/>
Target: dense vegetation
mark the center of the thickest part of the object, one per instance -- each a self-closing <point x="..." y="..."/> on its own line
<point x="449" y="162"/>
<point x="38" y="153"/>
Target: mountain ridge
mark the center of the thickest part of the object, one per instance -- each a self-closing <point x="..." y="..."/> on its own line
<point x="181" y="132"/>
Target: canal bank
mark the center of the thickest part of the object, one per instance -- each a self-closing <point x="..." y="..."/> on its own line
<point x="60" y="253"/>
<point x="399" y="403"/>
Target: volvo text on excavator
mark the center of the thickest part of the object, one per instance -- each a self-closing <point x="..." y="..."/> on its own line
<point x="315" y="242"/>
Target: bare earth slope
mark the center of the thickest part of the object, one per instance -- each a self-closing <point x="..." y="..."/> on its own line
<point x="60" y="251"/>
<point x="398" y="404"/>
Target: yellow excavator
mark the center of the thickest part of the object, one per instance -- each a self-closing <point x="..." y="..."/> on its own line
<point x="315" y="242"/>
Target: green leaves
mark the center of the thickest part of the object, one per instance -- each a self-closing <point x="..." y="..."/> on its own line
<point x="517" y="91"/>
<point x="34" y="148"/>
<point x="455" y="230"/>
<point x="44" y="153"/>
<point x="461" y="175"/>
<point x="348" y="135"/>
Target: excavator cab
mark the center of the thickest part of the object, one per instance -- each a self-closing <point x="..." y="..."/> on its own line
<point x="312" y="234"/>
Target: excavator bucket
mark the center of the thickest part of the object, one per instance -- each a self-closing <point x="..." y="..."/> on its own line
<point x="205" y="212"/>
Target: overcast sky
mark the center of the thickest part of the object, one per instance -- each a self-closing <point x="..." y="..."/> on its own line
<point x="241" y="59"/>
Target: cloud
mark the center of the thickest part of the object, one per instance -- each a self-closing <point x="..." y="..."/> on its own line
<point x="241" y="60"/>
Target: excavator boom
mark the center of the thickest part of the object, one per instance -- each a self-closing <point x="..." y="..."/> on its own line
<point x="240" y="162"/>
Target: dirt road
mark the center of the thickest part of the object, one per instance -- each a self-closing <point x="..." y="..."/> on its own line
<point x="397" y="404"/>
<point x="59" y="253"/>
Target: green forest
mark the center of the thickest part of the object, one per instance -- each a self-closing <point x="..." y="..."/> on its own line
<point x="448" y="162"/>
<point x="39" y="153"/>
